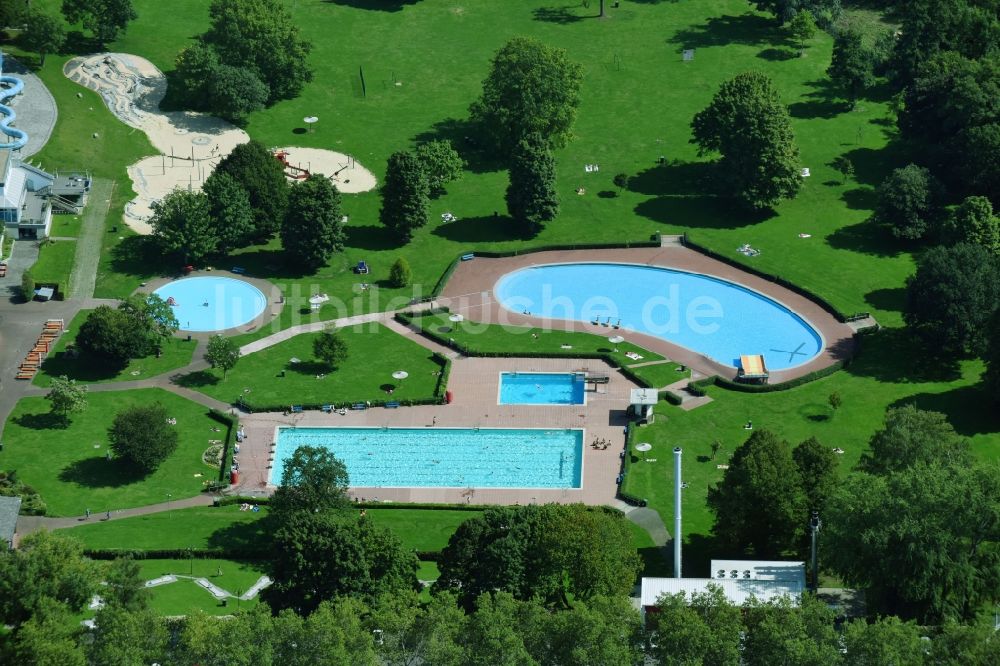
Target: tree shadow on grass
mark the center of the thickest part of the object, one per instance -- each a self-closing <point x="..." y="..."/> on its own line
<point x="865" y="237"/>
<point x="699" y="549"/>
<point x="139" y="257"/>
<point x="250" y="536"/>
<point x="309" y="368"/>
<point x="777" y="55"/>
<point x="969" y="409"/>
<point x="42" y="421"/>
<point x="370" y="237"/>
<point x="562" y="15"/>
<point x="823" y="102"/>
<point x="872" y="166"/>
<point x="196" y="380"/>
<point x="374" y="5"/>
<point x="892" y="299"/>
<point x="749" y="29"/>
<point x="675" y="178"/>
<point x="79" y="368"/>
<point x="482" y="229"/>
<point x="699" y="212"/>
<point x="894" y="356"/>
<point x="860" y="198"/>
<point x="465" y="137"/>
<point x="101" y="473"/>
<point x="270" y="262"/>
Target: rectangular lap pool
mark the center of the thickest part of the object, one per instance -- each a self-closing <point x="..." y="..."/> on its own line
<point x="444" y="457"/>
<point x="542" y="388"/>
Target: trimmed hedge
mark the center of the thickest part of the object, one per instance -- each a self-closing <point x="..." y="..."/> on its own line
<point x="227" y="442"/>
<point x="180" y="553"/>
<point x="626" y="464"/>
<point x="670" y="397"/>
<point x="697" y="388"/>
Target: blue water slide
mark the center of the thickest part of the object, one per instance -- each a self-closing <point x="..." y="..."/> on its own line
<point x="9" y="87"/>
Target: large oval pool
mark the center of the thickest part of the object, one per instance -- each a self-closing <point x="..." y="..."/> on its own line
<point x="212" y="303"/>
<point x="707" y="315"/>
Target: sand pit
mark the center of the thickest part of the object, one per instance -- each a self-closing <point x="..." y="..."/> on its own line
<point x="191" y="144"/>
<point x="349" y="176"/>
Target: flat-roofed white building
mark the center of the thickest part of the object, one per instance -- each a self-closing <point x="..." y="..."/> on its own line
<point x="739" y="580"/>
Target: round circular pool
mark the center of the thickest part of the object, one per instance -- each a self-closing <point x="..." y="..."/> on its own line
<point x="212" y="303"/>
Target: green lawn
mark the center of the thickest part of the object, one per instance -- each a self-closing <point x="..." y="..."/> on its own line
<point x="637" y="49"/>
<point x="661" y="374"/>
<point x="67" y="466"/>
<point x="55" y="263"/>
<point x="374" y="353"/>
<point x="65" y="226"/>
<point x="883" y="376"/>
<point x="177" y="352"/>
<point x="524" y="339"/>
<point x="198" y="527"/>
<point x="185" y="596"/>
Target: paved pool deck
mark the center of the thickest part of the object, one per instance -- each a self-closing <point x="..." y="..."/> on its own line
<point x="470" y="292"/>
<point x="474" y="382"/>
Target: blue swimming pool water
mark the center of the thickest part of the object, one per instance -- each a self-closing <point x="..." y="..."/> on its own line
<point x="716" y="318"/>
<point x="541" y="388"/>
<point x="213" y="303"/>
<point x="444" y="457"/>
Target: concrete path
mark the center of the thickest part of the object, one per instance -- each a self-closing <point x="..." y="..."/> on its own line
<point x="35" y="107"/>
<point x="29" y="524"/>
<point x="689" y="401"/>
<point x="649" y="520"/>
<point x="313" y="327"/>
<point x="88" y="245"/>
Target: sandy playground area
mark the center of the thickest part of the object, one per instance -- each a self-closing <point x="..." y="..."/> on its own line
<point x="191" y="144"/>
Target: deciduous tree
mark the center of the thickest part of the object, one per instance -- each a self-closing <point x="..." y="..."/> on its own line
<point x="803" y="28"/>
<point x="442" y="164"/>
<point x="222" y="353"/>
<point x="262" y="176"/>
<point x="912" y="436"/>
<point x="230" y="210"/>
<point x="922" y="541"/>
<point x="909" y="202"/>
<point x="313" y="480"/>
<point x="67" y="397"/>
<point x="182" y="224"/>
<point x="404" y="195"/>
<point x="747" y="123"/>
<point x="141" y="435"/>
<point x="108" y="334"/>
<point x="400" y="274"/>
<point x="704" y="629"/>
<point x="319" y="556"/>
<point x="313" y="229"/>
<point x="817" y="466"/>
<point x="261" y="35"/>
<point x="973" y="221"/>
<point x="235" y="92"/>
<point x="759" y="504"/>
<point x="330" y="348"/>
<point x="531" y="193"/>
<point x="532" y="88"/>
<point x="952" y="297"/>
<point x="852" y="67"/>
<point x="104" y="18"/>
<point x="43" y="33"/>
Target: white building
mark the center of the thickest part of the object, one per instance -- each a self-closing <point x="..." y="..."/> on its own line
<point x="739" y="580"/>
<point x="29" y="196"/>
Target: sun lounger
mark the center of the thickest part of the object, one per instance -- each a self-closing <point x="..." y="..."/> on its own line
<point x="296" y="409"/>
<point x="327" y="408"/>
<point x="362" y="268"/>
<point x="239" y="270"/>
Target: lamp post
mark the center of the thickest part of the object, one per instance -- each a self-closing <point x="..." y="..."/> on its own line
<point x="814" y="526"/>
<point x="169" y="512"/>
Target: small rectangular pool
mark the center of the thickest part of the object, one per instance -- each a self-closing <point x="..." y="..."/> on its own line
<point x="542" y="388"/>
<point x="444" y="457"/>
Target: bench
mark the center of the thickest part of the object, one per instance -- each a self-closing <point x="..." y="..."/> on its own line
<point x="468" y="257"/>
<point x="359" y="406"/>
<point x="296" y="409"/>
<point x="239" y="270"/>
<point x="392" y="405"/>
<point x="327" y="408"/>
